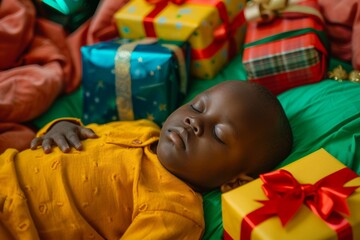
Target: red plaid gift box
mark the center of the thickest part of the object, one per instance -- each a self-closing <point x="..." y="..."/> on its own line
<point x="287" y="52"/>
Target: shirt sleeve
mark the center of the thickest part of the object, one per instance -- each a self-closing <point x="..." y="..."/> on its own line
<point x="47" y="127"/>
<point x="163" y="225"/>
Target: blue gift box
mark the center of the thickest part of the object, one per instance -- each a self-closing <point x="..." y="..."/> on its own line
<point x="124" y="80"/>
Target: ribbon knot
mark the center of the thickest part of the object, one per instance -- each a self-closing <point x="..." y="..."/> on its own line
<point x="267" y="10"/>
<point x="177" y="2"/>
<point x="228" y="29"/>
<point x="308" y="189"/>
<point x="264" y="10"/>
<point x="325" y="197"/>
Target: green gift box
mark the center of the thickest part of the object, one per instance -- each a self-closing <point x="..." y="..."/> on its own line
<point x="124" y="80"/>
<point x="68" y="13"/>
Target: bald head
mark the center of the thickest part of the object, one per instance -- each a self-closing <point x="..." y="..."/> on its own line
<point x="273" y="138"/>
<point x="231" y="130"/>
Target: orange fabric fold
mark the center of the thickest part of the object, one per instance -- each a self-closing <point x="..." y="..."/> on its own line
<point x="343" y="29"/>
<point x="39" y="61"/>
<point x="35" y="64"/>
<point x="15" y="135"/>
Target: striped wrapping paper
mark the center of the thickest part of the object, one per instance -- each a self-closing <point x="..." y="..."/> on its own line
<point x="286" y="52"/>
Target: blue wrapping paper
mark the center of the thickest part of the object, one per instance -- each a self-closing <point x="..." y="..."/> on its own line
<point x="157" y="86"/>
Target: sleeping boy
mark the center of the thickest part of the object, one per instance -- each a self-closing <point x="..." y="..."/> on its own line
<point x="135" y="181"/>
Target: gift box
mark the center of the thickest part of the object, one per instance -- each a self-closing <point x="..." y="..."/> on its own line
<point x="316" y="197"/>
<point x="68" y="13"/>
<point x="214" y="29"/>
<point x="124" y="80"/>
<point x="289" y="51"/>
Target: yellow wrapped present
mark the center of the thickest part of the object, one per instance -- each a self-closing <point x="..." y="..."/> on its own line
<point x="214" y="28"/>
<point x="316" y="197"/>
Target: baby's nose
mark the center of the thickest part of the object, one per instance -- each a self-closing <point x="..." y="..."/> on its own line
<point x="194" y="123"/>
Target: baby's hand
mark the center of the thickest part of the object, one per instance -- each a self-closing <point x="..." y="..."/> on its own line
<point x="64" y="134"/>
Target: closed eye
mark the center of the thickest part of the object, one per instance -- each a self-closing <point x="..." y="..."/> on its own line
<point x="217" y="138"/>
<point x="194" y="108"/>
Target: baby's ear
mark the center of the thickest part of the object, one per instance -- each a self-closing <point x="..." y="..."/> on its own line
<point x="235" y="182"/>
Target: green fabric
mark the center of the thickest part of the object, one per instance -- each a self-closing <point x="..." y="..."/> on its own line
<point x="65" y="106"/>
<point x="68" y="13"/>
<point x="212" y="215"/>
<point x="327" y="116"/>
<point x="324" y="114"/>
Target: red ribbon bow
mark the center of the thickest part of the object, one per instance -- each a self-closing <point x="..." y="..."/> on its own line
<point x="177" y="2"/>
<point x="159" y="6"/>
<point x="326" y="198"/>
<point x="225" y="31"/>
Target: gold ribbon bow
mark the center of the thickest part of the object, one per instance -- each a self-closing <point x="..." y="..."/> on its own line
<point x="339" y="74"/>
<point x="266" y="10"/>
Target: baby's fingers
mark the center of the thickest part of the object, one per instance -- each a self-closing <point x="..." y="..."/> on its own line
<point x="46" y="145"/>
<point x="87" y="133"/>
<point x="74" y="140"/>
<point x="35" y="143"/>
<point x="62" y="143"/>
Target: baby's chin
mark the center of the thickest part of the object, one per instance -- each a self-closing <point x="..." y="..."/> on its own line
<point x="197" y="186"/>
<point x="192" y="184"/>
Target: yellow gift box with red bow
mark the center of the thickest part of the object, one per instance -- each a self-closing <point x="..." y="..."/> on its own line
<point x="316" y="197"/>
<point x="214" y="28"/>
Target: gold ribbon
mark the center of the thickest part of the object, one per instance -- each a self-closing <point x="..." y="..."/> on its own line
<point x="354" y="76"/>
<point x="339" y="74"/>
<point x="266" y="10"/>
<point x="123" y="82"/>
<point x="123" y="77"/>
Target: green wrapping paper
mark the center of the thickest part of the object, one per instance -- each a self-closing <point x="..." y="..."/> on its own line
<point x="68" y="13"/>
<point x="125" y="80"/>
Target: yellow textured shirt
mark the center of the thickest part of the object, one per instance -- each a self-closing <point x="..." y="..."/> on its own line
<point x="114" y="188"/>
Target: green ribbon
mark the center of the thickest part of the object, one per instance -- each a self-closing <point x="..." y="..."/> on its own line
<point x="293" y="33"/>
